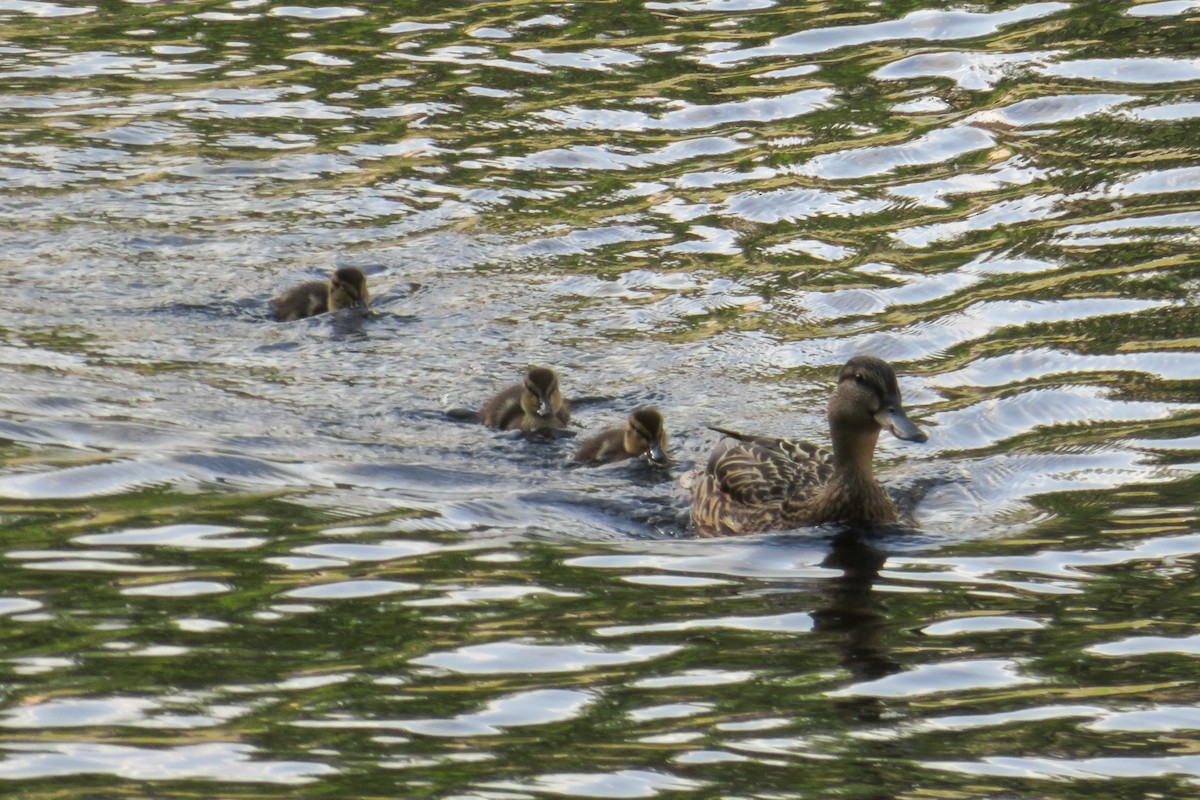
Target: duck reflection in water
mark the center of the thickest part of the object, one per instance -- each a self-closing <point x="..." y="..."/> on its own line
<point x="852" y="614"/>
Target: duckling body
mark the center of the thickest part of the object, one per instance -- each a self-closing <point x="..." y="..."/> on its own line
<point x="642" y="435"/>
<point x="346" y="287"/>
<point x="760" y="483"/>
<point x="533" y="405"/>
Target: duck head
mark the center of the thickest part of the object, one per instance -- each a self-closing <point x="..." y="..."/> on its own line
<point x="646" y="435"/>
<point x="348" y="287"/>
<point x="867" y="399"/>
<point x="540" y="396"/>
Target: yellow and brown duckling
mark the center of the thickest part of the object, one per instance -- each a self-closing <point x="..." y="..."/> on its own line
<point x="346" y="287"/>
<point x="760" y="483"/>
<point x="533" y="405"/>
<point x="642" y="435"/>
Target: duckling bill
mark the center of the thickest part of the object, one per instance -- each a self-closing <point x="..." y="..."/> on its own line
<point x="642" y="435"/>
<point x="533" y="405"/>
<point x="346" y="287"/>
<point x="760" y="483"/>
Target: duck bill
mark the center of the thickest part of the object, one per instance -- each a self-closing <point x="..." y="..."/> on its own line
<point x="656" y="455"/>
<point x="544" y="409"/>
<point x="895" y="420"/>
<point x="366" y="304"/>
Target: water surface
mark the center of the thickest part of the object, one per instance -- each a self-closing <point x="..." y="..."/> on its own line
<point x="251" y="559"/>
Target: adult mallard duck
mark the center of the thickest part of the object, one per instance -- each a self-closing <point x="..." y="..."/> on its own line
<point x="760" y="483"/>
<point x="346" y="287"/>
<point x="642" y="434"/>
<point x="533" y="405"/>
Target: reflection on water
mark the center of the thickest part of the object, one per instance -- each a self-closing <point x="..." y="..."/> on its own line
<point x="279" y="557"/>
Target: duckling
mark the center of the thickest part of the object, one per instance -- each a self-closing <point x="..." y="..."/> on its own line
<point x="760" y="483"/>
<point x="534" y="404"/>
<point x="643" y="434"/>
<point x="347" y="286"/>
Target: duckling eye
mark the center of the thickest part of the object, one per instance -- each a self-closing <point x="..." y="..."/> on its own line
<point x="860" y="378"/>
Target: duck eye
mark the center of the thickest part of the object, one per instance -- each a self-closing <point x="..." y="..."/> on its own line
<point x="860" y="378"/>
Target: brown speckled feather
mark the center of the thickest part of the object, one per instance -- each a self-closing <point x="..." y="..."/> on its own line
<point x="756" y="483"/>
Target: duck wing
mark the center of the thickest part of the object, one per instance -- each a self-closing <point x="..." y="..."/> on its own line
<point x="766" y="470"/>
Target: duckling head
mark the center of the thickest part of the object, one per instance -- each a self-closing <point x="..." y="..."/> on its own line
<point x="540" y="397"/>
<point x="646" y="435"/>
<point x="348" y="287"/>
<point x="867" y="398"/>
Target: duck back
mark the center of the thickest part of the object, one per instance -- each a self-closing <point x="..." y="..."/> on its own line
<point x="305" y="300"/>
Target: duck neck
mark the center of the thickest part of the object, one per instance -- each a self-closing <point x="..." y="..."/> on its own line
<point x="854" y="451"/>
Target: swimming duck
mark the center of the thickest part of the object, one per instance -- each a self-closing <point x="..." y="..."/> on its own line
<point x="760" y="483"/>
<point x="347" y="286"/>
<point x="643" y="434"/>
<point x="534" y="404"/>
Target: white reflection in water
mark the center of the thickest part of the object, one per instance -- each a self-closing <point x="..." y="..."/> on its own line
<point x="932" y="193"/>
<point x="973" y="71"/>
<point x="713" y="6"/>
<point x="1167" y="8"/>
<point x="1160" y="719"/>
<point x="966" y="722"/>
<point x="201" y="537"/>
<point x="414" y="27"/>
<point x="629" y="783"/>
<point x="1052" y="109"/>
<point x="1127" y="70"/>
<point x="1056" y="563"/>
<point x="693" y="117"/>
<point x="1169" y="111"/>
<point x="1033" y="364"/>
<point x="351" y="590"/>
<point x="178" y="589"/>
<point x="138" y="712"/>
<point x="923" y="24"/>
<point x="320" y="59"/>
<point x="816" y="248"/>
<point x="695" y="677"/>
<point x="215" y="761"/>
<point x="927" y="339"/>
<point x="485" y="594"/>
<point x="791" y="205"/>
<point x="597" y="157"/>
<point x="940" y="146"/>
<point x="515" y="657"/>
<point x="1091" y="769"/>
<point x="320" y="13"/>
<point x="798" y="622"/>
<point x="969" y="625"/>
<point x="1180" y="179"/>
<point x="1149" y="645"/>
<point x="712" y="241"/>
<point x="39" y="9"/>
<point x="1005" y="212"/>
<point x="600" y="59"/>
<point x="989" y="422"/>
<point x="948" y="676"/>
<point x="379" y="551"/>
<point x="17" y="605"/>
<point x="669" y="711"/>
<point x="539" y="707"/>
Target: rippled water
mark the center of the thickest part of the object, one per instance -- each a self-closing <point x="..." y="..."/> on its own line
<point x="254" y="559"/>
